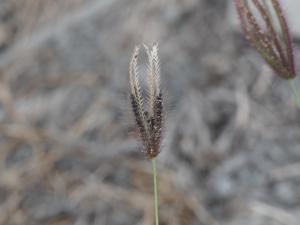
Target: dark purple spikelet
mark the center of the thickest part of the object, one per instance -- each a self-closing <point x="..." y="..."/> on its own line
<point x="148" y="121"/>
<point x="274" y="46"/>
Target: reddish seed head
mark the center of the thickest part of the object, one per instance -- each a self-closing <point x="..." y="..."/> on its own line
<point x="274" y="46"/>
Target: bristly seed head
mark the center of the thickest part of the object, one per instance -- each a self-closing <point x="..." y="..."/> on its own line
<point x="148" y="118"/>
<point x="274" y="47"/>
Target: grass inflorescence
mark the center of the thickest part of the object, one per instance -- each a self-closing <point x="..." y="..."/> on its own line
<point x="148" y="117"/>
<point x="260" y="20"/>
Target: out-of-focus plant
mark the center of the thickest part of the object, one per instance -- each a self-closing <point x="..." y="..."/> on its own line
<point x="266" y="28"/>
<point x="149" y="116"/>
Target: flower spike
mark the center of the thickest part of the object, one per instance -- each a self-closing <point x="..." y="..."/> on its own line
<point x="274" y="46"/>
<point x="149" y="120"/>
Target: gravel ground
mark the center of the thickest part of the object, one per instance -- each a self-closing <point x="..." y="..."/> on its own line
<point x="69" y="153"/>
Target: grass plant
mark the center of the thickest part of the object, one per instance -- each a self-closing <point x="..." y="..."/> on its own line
<point x="148" y="113"/>
<point x="265" y="27"/>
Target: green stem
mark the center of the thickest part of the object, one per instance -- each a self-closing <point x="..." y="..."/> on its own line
<point x="295" y="92"/>
<point x="155" y="191"/>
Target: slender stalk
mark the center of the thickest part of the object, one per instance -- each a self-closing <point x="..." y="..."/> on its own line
<point x="295" y="92"/>
<point x="155" y="191"/>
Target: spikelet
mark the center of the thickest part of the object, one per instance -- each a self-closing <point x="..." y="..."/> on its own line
<point x="274" y="46"/>
<point x="149" y="120"/>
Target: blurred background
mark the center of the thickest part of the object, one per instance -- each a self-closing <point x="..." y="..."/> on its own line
<point x="69" y="153"/>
